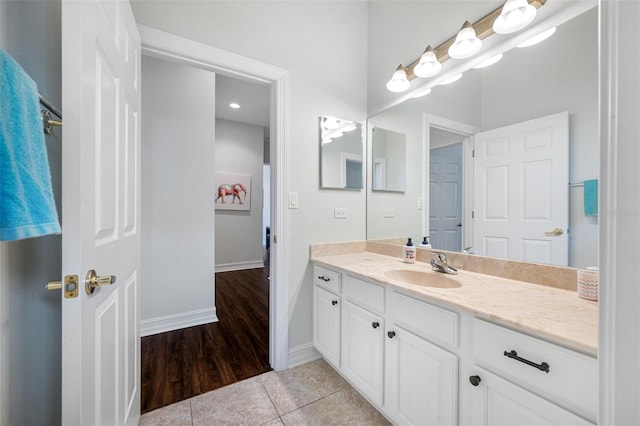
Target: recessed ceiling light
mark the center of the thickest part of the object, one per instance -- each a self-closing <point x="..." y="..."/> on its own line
<point x="489" y="61"/>
<point x="234" y="105"/>
<point x="538" y="38"/>
<point x="451" y="79"/>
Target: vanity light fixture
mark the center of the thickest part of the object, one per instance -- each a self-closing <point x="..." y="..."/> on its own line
<point x="467" y="43"/>
<point x="489" y="61"/>
<point x="450" y="80"/>
<point x="515" y="15"/>
<point x="428" y="65"/>
<point x="234" y="105"/>
<point x="399" y="81"/>
<point x="464" y="44"/>
<point x="538" y="38"/>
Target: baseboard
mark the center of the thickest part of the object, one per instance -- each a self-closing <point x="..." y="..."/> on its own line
<point x="239" y="266"/>
<point x="303" y="354"/>
<point x="177" y="321"/>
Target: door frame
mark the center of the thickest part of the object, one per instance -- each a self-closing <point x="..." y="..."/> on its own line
<point x="166" y="46"/>
<point x="428" y="121"/>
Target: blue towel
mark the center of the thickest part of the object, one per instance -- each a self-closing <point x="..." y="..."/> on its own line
<point x="591" y="197"/>
<point x="27" y="207"/>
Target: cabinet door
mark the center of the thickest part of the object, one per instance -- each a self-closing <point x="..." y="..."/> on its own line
<point x="496" y="401"/>
<point x="362" y="347"/>
<point x="326" y="324"/>
<point x="421" y="386"/>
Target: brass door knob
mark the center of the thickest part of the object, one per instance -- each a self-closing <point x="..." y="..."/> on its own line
<point x="92" y="281"/>
<point x="555" y="232"/>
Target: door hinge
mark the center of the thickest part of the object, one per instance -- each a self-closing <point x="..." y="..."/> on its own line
<point x="275" y="239"/>
<point x="473" y="153"/>
<point x="473" y="214"/>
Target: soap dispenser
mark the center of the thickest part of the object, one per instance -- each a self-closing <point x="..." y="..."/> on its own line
<point x="425" y="242"/>
<point x="409" y="252"/>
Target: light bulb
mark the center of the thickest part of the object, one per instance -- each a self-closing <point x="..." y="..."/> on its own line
<point x="467" y="43"/>
<point x="428" y="65"/>
<point x="515" y="15"/>
<point x="399" y="81"/>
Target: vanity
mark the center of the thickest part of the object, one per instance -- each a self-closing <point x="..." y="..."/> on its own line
<point x="427" y="348"/>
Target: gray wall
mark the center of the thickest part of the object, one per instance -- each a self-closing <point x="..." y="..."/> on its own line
<point x="238" y="241"/>
<point x="177" y="208"/>
<point x="30" y="331"/>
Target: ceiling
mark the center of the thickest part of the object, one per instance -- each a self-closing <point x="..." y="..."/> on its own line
<point x="253" y="98"/>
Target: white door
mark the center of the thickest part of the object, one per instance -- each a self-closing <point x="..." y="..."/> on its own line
<point x="362" y="350"/>
<point x="421" y="381"/>
<point x="445" y="201"/>
<point x="521" y="178"/>
<point x="100" y="212"/>
<point x="498" y="402"/>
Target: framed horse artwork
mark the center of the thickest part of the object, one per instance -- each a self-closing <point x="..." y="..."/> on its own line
<point x="232" y="192"/>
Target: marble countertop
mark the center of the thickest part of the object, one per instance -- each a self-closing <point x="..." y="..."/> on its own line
<point x="553" y="314"/>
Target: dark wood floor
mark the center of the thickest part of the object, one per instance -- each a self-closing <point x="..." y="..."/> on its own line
<point x="183" y="363"/>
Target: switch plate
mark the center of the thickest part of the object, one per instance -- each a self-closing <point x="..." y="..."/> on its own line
<point x="420" y="203"/>
<point x="389" y="212"/>
<point x="293" y="200"/>
<point x="340" y="213"/>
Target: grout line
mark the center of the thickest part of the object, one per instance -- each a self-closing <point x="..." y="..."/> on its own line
<point x="270" y="400"/>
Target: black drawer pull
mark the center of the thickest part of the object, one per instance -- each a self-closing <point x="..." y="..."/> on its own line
<point x="375" y="324"/>
<point x="514" y="355"/>
<point x="323" y="278"/>
<point x="334" y="302"/>
<point x="391" y="334"/>
<point x="475" y="380"/>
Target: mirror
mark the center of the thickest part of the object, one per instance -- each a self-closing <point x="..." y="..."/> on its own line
<point x="388" y="160"/>
<point x="341" y="154"/>
<point x="560" y="74"/>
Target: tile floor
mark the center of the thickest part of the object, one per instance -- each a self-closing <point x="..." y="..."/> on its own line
<point x="310" y="394"/>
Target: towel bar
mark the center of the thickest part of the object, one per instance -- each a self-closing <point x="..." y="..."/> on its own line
<point x="47" y="122"/>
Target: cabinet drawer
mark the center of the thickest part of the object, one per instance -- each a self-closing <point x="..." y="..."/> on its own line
<point x="571" y="380"/>
<point x="363" y="293"/>
<point x="326" y="278"/>
<point x="426" y="320"/>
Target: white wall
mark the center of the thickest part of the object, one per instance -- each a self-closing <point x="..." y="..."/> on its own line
<point x="177" y="249"/>
<point x="30" y="318"/>
<point x="560" y="74"/>
<point x="238" y="241"/>
<point x="323" y="45"/>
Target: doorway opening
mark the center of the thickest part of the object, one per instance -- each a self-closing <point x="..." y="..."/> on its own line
<point x="177" y="50"/>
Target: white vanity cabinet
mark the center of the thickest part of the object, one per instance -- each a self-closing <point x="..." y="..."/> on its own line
<point x="421" y="378"/>
<point x="422" y="363"/>
<point x="523" y="380"/>
<point x="363" y="337"/>
<point x="326" y="313"/>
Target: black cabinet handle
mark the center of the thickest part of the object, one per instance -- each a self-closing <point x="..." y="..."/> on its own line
<point x="323" y="278"/>
<point x="475" y="380"/>
<point x="375" y="324"/>
<point x="391" y="334"/>
<point x="334" y="302"/>
<point x="514" y="355"/>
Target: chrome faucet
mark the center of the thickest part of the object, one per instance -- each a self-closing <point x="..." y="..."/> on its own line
<point x="439" y="264"/>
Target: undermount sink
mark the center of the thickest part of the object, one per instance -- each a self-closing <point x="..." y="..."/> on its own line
<point x="427" y="279"/>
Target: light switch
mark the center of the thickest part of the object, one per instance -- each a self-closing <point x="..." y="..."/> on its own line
<point x="340" y="213"/>
<point x="293" y="200"/>
<point x="420" y="204"/>
<point x="389" y="212"/>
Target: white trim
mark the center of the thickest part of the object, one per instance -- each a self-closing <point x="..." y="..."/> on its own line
<point x="240" y="266"/>
<point x="430" y="120"/>
<point x="177" y="321"/>
<point x="303" y="354"/>
<point x="178" y="49"/>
